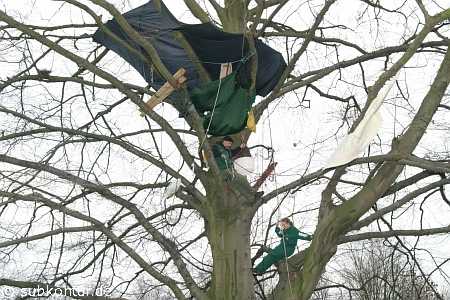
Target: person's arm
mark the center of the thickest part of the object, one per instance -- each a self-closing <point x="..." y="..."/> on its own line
<point x="242" y="150"/>
<point x="216" y="150"/>
<point x="235" y="151"/>
<point x="304" y="236"/>
<point x="279" y="231"/>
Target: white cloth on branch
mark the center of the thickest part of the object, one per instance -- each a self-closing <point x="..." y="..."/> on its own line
<point x="172" y="188"/>
<point x="355" y="143"/>
<point x="244" y="165"/>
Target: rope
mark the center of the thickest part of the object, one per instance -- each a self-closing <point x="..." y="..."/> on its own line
<point x="244" y="27"/>
<point x="395" y="113"/>
<point x="209" y="62"/>
<point x="278" y="214"/>
<point x="152" y="74"/>
<point x="212" y="114"/>
<point x="287" y="265"/>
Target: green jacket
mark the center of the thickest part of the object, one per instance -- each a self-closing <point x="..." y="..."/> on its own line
<point x="230" y="101"/>
<point x="286" y="248"/>
<point x="291" y="236"/>
<point x="224" y="156"/>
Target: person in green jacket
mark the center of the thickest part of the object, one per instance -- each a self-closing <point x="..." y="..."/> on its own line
<point x="289" y="236"/>
<point x="223" y="153"/>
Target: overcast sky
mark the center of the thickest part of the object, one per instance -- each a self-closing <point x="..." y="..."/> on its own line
<point x="302" y="137"/>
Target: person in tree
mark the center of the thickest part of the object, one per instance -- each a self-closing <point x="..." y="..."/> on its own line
<point x="224" y="155"/>
<point x="289" y="236"/>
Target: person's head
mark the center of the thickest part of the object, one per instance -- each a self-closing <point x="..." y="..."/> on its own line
<point x="286" y="223"/>
<point x="227" y="142"/>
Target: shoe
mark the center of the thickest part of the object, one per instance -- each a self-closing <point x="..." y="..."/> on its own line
<point x="255" y="273"/>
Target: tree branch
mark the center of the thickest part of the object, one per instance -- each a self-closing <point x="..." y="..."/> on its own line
<point x="197" y="11"/>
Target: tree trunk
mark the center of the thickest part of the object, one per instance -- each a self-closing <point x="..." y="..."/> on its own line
<point x="229" y="212"/>
<point x="287" y="275"/>
<point x="230" y="245"/>
<point x="228" y="227"/>
<point x="233" y="16"/>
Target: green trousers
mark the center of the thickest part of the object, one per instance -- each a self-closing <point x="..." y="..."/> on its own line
<point x="274" y="256"/>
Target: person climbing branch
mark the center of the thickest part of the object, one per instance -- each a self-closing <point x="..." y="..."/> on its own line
<point x="289" y="235"/>
<point x="224" y="155"/>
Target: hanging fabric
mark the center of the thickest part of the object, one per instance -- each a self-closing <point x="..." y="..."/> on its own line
<point x="355" y="143"/>
<point x="251" y="121"/>
<point x="211" y="45"/>
<point x="244" y="163"/>
<point x="224" y="105"/>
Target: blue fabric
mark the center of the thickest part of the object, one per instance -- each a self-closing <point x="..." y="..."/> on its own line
<point x="211" y="45"/>
<point x="158" y="28"/>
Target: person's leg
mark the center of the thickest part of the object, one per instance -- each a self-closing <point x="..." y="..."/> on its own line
<point x="265" y="264"/>
<point x="274" y="256"/>
<point x="241" y="184"/>
<point x="278" y="252"/>
<point x="241" y="180"/>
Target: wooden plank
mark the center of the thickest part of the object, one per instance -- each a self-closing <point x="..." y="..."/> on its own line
<point x="166" y="90"/>
<point x="225" y="69"/>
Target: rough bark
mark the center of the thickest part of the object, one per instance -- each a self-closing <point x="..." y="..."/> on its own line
<point x="229" y="208"/>
<point x="228" y="228"/>
<point x="234" y="15"/>
<point x="229" y="240"/>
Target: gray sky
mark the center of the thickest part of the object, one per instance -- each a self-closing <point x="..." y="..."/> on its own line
<point x="302" y="137"/>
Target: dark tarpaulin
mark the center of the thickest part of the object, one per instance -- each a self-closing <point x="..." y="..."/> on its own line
<point x="215" y="47"/>
<point x="157" y="27"/>
<point x="211" y="45"/>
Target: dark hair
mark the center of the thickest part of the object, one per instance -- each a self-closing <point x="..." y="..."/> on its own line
<point x="286" y="220"/>
<point x="227" y="138"/>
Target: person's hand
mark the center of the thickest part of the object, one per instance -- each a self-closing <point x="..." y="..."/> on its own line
<point x="243" y="145"/>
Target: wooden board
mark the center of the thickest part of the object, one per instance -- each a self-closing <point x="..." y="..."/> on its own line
<point x="225" y="69"/>
<point x="166" y="90"/>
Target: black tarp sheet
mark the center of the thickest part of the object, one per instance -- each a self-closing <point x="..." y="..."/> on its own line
<point x="211" y="45"/>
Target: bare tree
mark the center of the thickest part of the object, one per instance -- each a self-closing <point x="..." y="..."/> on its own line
<point x="381" y="272"/>
<point x="82" y="175"/>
